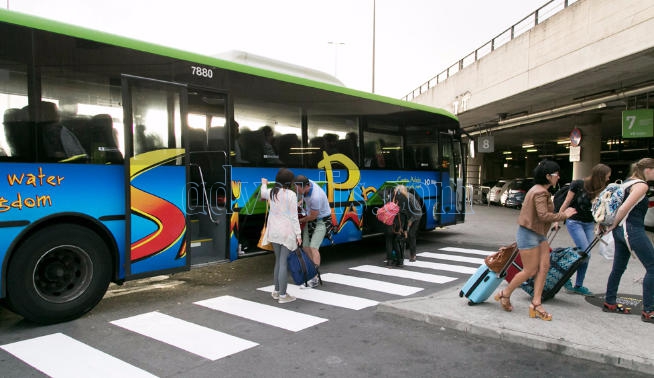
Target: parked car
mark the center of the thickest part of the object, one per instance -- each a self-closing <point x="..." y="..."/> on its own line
<point x="649" y="216"/>
<point x="505" y="193"/>
<point x="486" y="188"/>
<point x="496" y="191"/>
<point x="518" y="188"/>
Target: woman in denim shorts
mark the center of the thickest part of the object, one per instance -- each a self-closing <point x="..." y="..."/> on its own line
<point x="536" y="217"/>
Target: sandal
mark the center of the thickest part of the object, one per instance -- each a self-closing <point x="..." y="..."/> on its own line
<point x="647" y="317"/>
<point x="617" y="308"/>
<point x="504" y="301"/>
<point x="534" y="312"/>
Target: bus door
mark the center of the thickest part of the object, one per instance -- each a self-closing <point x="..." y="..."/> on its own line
<point x="208" y="191"/>
<point x="156" y="177"/>
<point x="452" y="192"/>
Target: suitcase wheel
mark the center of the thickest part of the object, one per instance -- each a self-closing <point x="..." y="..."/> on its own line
<point x="461" y="294"/>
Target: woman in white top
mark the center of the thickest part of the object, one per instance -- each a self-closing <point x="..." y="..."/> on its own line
<point x="283" y="229"/>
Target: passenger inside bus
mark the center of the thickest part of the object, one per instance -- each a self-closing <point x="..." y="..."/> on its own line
<point x="331" y="143"/>
<point x="350" y="146"/>
<point x="270" y="156"/>
<point x="288" y="146"/>
<point x="57" y="142"/>
<point x="373" y="155"/>
<point x="144" y="142"/>
<point x="235" y="147"/>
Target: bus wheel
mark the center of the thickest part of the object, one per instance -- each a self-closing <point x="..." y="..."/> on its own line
<point x="58" y="274"/>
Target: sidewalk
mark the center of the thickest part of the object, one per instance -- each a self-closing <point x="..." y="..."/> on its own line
<point x="579" y="327"/>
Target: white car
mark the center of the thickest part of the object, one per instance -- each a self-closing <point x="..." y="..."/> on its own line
<point x="495" y="194"/>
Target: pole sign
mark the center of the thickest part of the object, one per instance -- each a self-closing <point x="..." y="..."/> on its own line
<point x="575" y="137"/>
<point x="575" y="153"/>
<point x="638" y="123"/>
<point x="486" y="143"/>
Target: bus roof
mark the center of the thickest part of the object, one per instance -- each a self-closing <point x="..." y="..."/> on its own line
<point x="254" y="60"/>
<point x="116" y="40"/>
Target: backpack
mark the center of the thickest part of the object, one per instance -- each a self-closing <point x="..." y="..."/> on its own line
<point x="301" y="267"/>
<point x="386" y="214"/>
<point x="607" y="203"/>
<point x="559" y="197"/>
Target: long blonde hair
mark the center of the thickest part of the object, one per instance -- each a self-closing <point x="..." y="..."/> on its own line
<point x="639" y="168"/>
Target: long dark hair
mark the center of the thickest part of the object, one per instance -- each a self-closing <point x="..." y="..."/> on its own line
<point x="594" y="183"/>
<point x="283" y="180"/>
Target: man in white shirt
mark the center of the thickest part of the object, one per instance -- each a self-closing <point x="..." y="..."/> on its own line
<point x="315" y="205"/>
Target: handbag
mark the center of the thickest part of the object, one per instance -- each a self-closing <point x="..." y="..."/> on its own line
<point x="263" y="240"/>
<point x="502" y="258"/>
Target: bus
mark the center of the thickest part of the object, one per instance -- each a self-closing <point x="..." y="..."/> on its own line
<point x="121" y="159"/>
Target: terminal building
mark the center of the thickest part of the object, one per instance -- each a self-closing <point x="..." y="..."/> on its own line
<point x="572" y="82"/>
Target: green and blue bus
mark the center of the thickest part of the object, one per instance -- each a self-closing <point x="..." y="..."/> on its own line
<point x="121" y="159"/>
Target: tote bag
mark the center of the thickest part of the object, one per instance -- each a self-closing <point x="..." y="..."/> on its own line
<point x="263" y="240"/>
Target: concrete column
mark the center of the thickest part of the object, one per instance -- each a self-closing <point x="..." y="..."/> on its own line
<point x="591" y="135"/>
<point x="531" y="161"/>
<point x="475" y="166"/>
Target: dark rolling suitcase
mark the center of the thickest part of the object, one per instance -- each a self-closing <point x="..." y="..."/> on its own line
<point x="563" y="263"/>
<point x="483" y="283"/>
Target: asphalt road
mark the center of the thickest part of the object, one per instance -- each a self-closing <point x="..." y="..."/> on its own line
<point x="144" y="327"/>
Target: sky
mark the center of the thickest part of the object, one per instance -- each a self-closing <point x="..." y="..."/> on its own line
<point x="414" y="39"/>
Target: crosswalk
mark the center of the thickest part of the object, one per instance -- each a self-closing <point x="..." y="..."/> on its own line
<point x="51" y="353"/>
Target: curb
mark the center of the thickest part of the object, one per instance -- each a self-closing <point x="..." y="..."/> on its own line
<point x="560" y="346"/>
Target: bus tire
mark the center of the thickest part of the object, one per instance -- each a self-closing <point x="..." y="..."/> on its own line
<point x="58" y="274"/>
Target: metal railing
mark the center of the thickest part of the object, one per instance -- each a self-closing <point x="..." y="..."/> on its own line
<point x="539" y="15"/>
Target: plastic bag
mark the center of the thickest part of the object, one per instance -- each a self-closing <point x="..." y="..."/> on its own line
<point x="607" y="246"/>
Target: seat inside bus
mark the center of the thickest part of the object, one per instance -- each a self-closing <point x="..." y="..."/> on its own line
<point x="19" y="134"/>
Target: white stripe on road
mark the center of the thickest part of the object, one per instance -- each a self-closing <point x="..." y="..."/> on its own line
<point x="467" y="250"/>
<point x="439" y="266"/>
<point x="58" y="355"/>
<point x="274" y="316"/>
<point x="366" y="283"/>
<point x="442" y="256"/>
<point x="400" y="272"/>
<point x="193" y="338"/>
<point x="325" y="297"/>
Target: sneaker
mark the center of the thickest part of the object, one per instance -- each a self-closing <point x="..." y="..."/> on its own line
<point x="568" y="287"/>
<point x="275" y="295"/>
<point x="286" y="298"/>
<point x="314" y="282"/>
<point x="311" y="283"/>
<point x="582" y="290"/>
